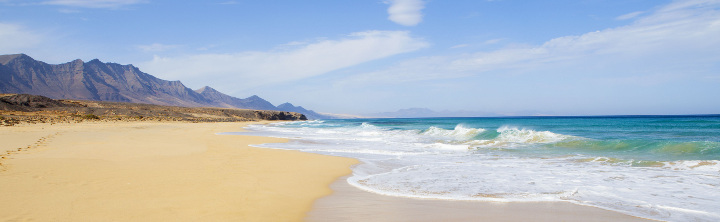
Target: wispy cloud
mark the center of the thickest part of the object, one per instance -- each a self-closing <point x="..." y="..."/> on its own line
<point x="681" y="34"/>
<point x="629" y="15"/>
<point x="250" y="69"/>
<point x="157" y="47"/>
<point x="94" y="3"/>
<point x="15" y="38"/>
<point x="492" y="41"/>
<point x="406" y="12"/>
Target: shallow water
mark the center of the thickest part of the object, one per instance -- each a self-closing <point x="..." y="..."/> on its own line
<point x="659" y="167"/>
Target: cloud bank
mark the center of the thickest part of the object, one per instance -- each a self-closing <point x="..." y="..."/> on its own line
<point x="406" y="12"/>
<point x="15" y="38"/>
<point x="679" y="35"/>
<point x="252" y="69"/>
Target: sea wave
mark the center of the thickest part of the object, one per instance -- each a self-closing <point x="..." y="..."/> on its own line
<point x="509" y="137"/>
<point x="459" y="133"/>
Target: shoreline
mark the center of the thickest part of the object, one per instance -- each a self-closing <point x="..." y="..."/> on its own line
<point x="156" y="171"/>
<point x="349" y="203"/>
<point x="181" y="171"/>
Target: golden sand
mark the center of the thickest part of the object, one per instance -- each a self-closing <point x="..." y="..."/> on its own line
<point x="152" y="171"/>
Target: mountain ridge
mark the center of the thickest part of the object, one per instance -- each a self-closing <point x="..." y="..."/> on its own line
<point x="105" y="81"/>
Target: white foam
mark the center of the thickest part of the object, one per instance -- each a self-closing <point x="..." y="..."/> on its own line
<point x="511" y="137"/>
<point x="515" y="135"/>
<point x="460" y="133"/>
<point x="695" y="165"/>
<point x="435" y="163"/>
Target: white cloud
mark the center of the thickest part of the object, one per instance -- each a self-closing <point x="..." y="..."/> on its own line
<point x="157" y="47"/>
<point x="681" y="34"/>
<point x="492" y="41"/>
<point x="629" y="15"/>
<point x="406" y="12"/>
<point x="16" y="39"/>
<point x="249" y="69"/>
<point x="94" y="3"/>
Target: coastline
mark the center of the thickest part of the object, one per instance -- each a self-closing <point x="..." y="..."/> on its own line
<point x="348" y="203"/>
<point x="151" y="171"/>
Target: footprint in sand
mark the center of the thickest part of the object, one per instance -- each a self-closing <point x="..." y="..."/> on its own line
<point x="40" y="142"/>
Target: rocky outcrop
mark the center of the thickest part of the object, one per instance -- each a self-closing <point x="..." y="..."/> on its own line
<point x="279" y="115"/>
<point x="25" y="102"/>
<point x="299" y="109"/>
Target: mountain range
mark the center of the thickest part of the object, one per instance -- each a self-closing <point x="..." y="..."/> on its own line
<point x="98" y="81"/>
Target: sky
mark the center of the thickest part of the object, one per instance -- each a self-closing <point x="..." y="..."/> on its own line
<point x="506" y="57"/>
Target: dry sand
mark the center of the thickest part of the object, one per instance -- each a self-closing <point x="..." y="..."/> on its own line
<point x="152" y="171"/>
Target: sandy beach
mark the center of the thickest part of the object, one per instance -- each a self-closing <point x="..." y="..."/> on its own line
<point x="179" y="171"/>
<point x="156" y="171"/>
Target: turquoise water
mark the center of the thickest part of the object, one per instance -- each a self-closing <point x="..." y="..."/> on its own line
<point x="659" y="167"/>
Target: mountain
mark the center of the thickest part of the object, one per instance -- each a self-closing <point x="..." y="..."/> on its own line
<point x="289" y="107"/>
<point x="98" y="81"/>
<point x="223" y="100"/>
<point x="93" y="80"/>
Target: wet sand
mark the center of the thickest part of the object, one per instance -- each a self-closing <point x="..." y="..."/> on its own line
<point x="349" y="203"/>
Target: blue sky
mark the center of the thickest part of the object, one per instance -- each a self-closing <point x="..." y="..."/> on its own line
<point x="574" y="57"/>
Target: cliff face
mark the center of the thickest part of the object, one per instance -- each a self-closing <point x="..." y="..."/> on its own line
<point x="98" y="81"/>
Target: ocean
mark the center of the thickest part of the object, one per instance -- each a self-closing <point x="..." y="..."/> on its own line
<point x="656" y="167"/>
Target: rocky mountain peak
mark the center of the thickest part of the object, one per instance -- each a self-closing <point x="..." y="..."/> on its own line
<point x="290" y="106"/>
<point x="5" y="59"/>
<point x="206" y="90"/>
<point x="254" y="97"/>
<point x="95" y="61"/>
<point x="286" y="105"/>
